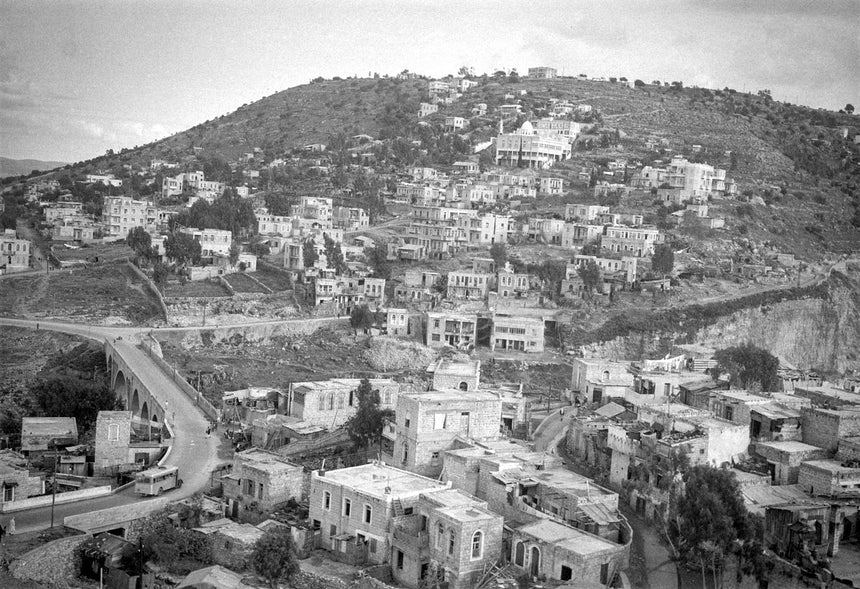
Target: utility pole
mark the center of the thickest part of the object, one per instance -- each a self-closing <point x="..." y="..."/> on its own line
<point x="54" y="484"/>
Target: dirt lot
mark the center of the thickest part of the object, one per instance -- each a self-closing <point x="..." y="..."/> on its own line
<point x="24" y="352"/>
<point x="242" y="283"/>
<point x="196" y="288"/>
<point x="109" y="294"/>
<point x="327" y="353"/>
<point x="101" y="252"/>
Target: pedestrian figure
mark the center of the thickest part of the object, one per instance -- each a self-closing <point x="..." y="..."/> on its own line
<point x="11" y="529"/>
<point x="37" y="325"/>
<point x="208" y="432"/>
<point x="561" y="414"/>
<point x="2" y="533"/>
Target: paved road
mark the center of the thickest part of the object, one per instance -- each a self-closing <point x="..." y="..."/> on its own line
<point x="192" y="451"/>
<point x="551" y="430"/>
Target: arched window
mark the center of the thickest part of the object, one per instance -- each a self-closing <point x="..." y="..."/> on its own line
<point x="440" y="535"/>
<point x="451" y="542"/>
<point x="331" y="401"/>
<point x="405" y="452"/>
<point x="477" y="545"/>
<point x="464" y="386"/>
<point x="520" y="554"/>
<point x="605" y="376"/>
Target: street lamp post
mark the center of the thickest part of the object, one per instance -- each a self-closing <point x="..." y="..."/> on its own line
<point x="53" y="444"/>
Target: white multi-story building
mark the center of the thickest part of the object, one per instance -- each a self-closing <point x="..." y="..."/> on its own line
<point x="314" y="207"/>
<point x="631" y="241"/>
<point x="106" y="179"/>
<point x="542" y="72"/>
<point x="212" y="241"/>
<point x="14" y="253"/>
<point x="529" y="148"/>
<point x="425" y="109"/>
<point x="563" y="127"/>
<point x="122" y="213"/>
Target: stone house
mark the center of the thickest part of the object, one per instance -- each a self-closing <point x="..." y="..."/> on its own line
<point x="784" y="459"/>
<point x="16" y="482"/>
<point x="450" y="528"/>
<point x="429" y="423"/>
<point x="456" y="375"/>
<point x="469" y="284"/>
<point x="825" y="427"/>
<point x="232" y="543"/>
<point x="352" y="509"/>
<point x="829" y="478"/>
<point x="735" y="405"/>
<point x="551" y="550"/>
<point x="773" y="421"/>
<point x="263" y="478"/>
<point x="113" y="440"/>
<point x="330" y="403"/>
<point x="596" y="380"/>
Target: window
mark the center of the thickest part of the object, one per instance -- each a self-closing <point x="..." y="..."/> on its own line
<point x="113" y="432"/>
<point x="347" y="507"/>
<point x="434" y="457"/>
<point x="260" y="490"/>
<point x="451" y="542"/>
<point x="464" y="386"/>
<point x="321" y="402"/>
<point x="331" y="401"/>
<point x="399" y="560"/>
<point x="439" y="421"/>
<point x="440" y="535"/>
<point x="566" y="573"/>
<point x="368" y="514"/>
<point x="326" y="500"/>
<point x="435" y="337"/>
<point x="477" y="545"/>
<point x="8" y="493"/>
<point x="249" y="487"/>
<point x="373" y="545"/>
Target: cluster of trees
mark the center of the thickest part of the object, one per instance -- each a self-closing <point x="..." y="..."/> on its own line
<point x="228" y="212"/>
<point x="748" y="367"/>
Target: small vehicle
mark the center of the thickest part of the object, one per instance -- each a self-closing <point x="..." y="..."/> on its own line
<point x="155" y="481"/>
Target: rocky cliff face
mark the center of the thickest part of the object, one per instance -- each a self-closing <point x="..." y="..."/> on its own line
<point x="819" y="333"/>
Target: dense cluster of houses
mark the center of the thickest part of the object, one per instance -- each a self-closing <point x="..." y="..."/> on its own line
<point x="795" y="454"/>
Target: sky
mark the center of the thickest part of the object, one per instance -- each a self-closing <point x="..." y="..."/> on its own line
<point x="80" y="77"/>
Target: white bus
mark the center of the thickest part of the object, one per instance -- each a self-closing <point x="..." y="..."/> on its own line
<point x="157" y="480"/>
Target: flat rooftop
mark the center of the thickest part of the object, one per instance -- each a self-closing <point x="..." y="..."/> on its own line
<point x="265" y="460"/>
<point x="452" y="396"/>
<point x="374" y="478"/>
<point x="742" y="396"/>
<point x="791" y="447"/>
<point x="833" y="466"/>
<point x="339" y="383"/>
<point x="451" y="368"/>
<point x="567" y="537"/>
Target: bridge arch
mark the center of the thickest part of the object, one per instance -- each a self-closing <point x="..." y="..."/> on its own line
<point x="144" y="412"/>
<point x="120" y="384"/>
<point x="134" y="404"/>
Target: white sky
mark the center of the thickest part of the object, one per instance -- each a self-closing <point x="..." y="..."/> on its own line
<point x="79" y="77"/>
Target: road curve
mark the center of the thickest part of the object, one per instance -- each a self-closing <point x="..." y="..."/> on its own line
<point x="195" y="453"/>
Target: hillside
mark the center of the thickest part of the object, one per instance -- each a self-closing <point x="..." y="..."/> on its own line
<point x="797" y="166"/>
<point x="10" y="167"/>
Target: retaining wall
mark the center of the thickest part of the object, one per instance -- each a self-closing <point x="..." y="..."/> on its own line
<point x="51" y="565"/>
<point x="45" y="500"/>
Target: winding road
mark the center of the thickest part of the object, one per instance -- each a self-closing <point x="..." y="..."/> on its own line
<point x="191" y="450"/>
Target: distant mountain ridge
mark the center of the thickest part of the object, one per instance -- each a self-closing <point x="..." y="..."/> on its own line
<point x="12" y="167"/>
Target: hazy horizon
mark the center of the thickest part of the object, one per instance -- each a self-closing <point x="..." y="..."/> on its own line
<point x="78" y="78"/>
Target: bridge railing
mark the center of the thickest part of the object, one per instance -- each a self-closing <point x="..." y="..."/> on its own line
<point x="208" y="409"/>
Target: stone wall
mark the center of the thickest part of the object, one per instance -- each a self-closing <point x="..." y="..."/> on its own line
<point x="113" y="436"/>
<point x="53" y="564"/>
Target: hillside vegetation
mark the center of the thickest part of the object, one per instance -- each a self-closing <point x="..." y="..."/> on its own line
<point x="793" y="162"/>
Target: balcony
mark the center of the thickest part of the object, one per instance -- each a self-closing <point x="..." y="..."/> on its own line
<point x="409" y="535"/>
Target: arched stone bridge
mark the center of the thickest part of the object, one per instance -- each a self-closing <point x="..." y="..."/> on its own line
<point x="128" y="387"/>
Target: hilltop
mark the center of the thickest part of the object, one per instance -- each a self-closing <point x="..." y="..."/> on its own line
<point x="797" y="164"/>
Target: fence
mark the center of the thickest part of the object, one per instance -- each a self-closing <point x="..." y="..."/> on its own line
<point x="208" y="409"/>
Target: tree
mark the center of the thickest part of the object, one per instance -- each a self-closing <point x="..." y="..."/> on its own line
<point x="378" y="260"/>
<point x="183" y="248"/>
<point x="748" y="367"/>
<point x="849" y="108"/>
<point x="663" y="259"/>
<point x="274" y="557"/>
<point x="366" y="426"/>
<point x="235" y="250"/>
<point x="361" y="318"/>
<point x="309" y="252"/>
<point x="140" y="241"/>
<point x="334" y="255"/>
<point x="513" y="77"/>
<point x="589" y="273"/>
<point x="159" y="274"/>
<point x="499" y="253"/>
<point x="708" y="517"/>
<point x="73" y="397"/>
<point x="638" y="83"/>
